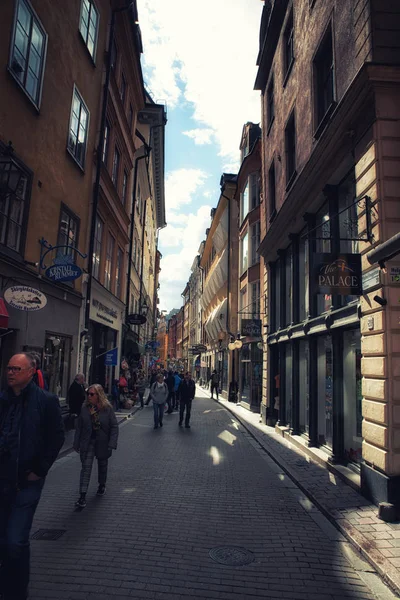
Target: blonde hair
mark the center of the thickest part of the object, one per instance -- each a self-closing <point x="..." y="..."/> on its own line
<point x="103" y="400"/>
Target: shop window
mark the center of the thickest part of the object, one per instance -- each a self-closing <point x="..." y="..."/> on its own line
<point x="255" y="242"/>
<point x="304" y="276"/>
<point x="244" y="202"/>
<point x="115" y="166"/>
<point x="245" y="373"/>
<point x="324" y="77"/>
<point x="98" y="236"/>
<point x="272" y="192"/>
<point x="290" y="148"/>
<point x="119" y="272"/>
<point x="270" y="103"/>
<point x="325" y="391"/>
<point x="288" y="45"/>
<point x="323" y="245"/>
<point x="304" y="386"/>
<point x="109" y="262"/>
<point x="13" y="214"/>
<point x="28" y="51"/>
<point x="288" y="300"/>
<point x="56" y="364"/>
<point x="352" y="395"/>
<point x="106" y="142"/>
<point x="68" y="232"/>
<point x="288" y="384"/>
<point x="245" y="253"/>
<point x="89" y="24"/>
<point x="78" y="129"/>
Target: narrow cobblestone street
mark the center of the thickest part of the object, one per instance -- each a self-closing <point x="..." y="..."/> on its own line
<point x="172" y="496"/>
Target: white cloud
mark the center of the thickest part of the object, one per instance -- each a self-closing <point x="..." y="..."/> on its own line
<point x="205" y="54"/>
<point x="180" y="186"/>
<point x="200" y="136"/>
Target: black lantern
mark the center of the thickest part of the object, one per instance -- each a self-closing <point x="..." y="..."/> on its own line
<point x="144" y="308"/>
<point x="11" y="173"/>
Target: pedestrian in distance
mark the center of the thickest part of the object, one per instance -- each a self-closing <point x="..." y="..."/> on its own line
<point x="38" y="377"/>
<point x="187" y="392"/>
<point x="170" y="381"/>
<point x="214" y="381"/>
<point x="178" y="382"/>
<point x="141" y="388"/>
<point x="96" y="436"/>
<point x="159" y="395"/>
<point x="76" y="395"/>
<point x="31" y="436"/>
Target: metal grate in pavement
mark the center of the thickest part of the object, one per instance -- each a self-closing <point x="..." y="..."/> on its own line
<point x="48" y="534"/>
<point x="232" y="556"/>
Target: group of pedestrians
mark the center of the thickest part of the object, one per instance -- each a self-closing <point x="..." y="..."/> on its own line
<point x="31" y="436"/>
<point x="176" y="393"/>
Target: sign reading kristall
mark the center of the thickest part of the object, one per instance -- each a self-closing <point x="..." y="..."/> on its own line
<point x="338" y="274"/>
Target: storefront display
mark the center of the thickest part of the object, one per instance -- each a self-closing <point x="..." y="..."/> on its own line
<point x="56" y="364"/>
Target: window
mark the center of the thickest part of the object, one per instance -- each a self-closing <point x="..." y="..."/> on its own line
<point x="28" y="51"/>
<point x="254" y="184"/>
<point x="13" y="209"/>
<point x="122" y="90"/>
<point x="109" y="261"/>
<point x="68" y="231"/>
<point x="130" y="117"/>
<point x="115" y="167"/>
<point x="270" y="103"/>
<point x="288" y="300"/>
<point x="290" y="146"/>
<point x="245" y="252"/>
<point x="114" y="55"/>
<point x="255" y="242"/>
<point x="89" y="25"/>
<point x="106" y="142"/>
<point x="244" y="202"/>
<point x="124" y="187"/>
<point x="288" y="42"/>
<point x="98" y="236"/>
<point x="255" y="300"/>
<point x="78" y="129"/>
<point x="134" y="252"/>
<point x="324" y="77"/>
<point x="243" y="304"/>
<point x="118" y="272"/>
<point x="272" y="191"/>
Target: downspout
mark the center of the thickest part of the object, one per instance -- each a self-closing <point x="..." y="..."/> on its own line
<point x="142" y="263"/>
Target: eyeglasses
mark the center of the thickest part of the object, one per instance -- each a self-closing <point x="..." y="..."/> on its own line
<point x="13" y="369"/>
<point x="92" y="394"/>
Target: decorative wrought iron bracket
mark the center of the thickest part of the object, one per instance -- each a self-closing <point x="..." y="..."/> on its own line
<point x="364" y="204"/>
<point x="46" y="248"/>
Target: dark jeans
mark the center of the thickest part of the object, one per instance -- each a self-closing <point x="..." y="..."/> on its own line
<point x="158" y="413"/>
<point x="188" y="405"/>
<point x="214" y="386"/>
<point x="17" y="509"/>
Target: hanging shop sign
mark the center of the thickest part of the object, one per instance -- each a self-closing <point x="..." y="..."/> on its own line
<point x="251" y="328"/>
<point x="338" y="274"/>
<point x="111" y="358"/>
<point x="23" y="297"/>
<point x="136" y="319"/>
<point x="63" y="269"/>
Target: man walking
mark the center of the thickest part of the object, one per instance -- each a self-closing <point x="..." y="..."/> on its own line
<point x="76" y="395"/>
<point x="159" y="395"/>
<point x="214" y="379"/>
<point x="170" y="381"/>
<point x="31" y="435"/>
<point x="187" y="391"/>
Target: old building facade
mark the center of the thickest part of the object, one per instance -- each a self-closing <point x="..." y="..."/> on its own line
<point x="329" y="78"/>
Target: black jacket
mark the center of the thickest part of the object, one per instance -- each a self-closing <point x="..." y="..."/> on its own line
<point x="106" y="436"/>
<point x="76" y="397"/>
<point x="35" y="432"/>
<point x="170" y="381"/>
<point x="187" y="389"/>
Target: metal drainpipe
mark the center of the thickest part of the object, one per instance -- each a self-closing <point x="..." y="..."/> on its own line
<point x="141" y="266"/>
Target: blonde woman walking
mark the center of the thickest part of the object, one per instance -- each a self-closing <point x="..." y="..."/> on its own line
<point x="96" y="435"/>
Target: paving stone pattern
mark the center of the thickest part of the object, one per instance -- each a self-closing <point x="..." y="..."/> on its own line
<point x="172" y="496"/>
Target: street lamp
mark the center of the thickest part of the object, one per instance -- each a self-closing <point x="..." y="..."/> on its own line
<point x="11" y="173"/>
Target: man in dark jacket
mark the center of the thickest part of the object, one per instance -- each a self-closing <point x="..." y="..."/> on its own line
<point x="76" y="395"/>
<point x="31" y="435"/>
<point x="187" y="391"/>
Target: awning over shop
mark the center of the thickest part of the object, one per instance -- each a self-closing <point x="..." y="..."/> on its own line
<point x="216" y="322"/>
<point x="132" y="348"/>
<point x="4" y="316"/>
<point x="216" y="280"/>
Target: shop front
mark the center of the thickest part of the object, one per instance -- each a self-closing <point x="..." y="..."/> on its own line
<point x="250" y="375"/>
<point x="106" y="313"/>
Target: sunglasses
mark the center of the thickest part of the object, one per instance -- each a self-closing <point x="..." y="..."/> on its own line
<point x="92" y="394"/>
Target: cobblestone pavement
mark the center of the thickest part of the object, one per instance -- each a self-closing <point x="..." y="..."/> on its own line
<point x="175" y="494"/>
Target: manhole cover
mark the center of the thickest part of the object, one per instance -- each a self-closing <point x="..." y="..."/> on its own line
<point x="48" y="534"/>
<point x="232" y="556"/>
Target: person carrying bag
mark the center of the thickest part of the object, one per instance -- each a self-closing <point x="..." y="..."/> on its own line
<point x="96" y="435"/>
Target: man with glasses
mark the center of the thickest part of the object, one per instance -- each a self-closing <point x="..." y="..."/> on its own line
<point x="31" y="436"/>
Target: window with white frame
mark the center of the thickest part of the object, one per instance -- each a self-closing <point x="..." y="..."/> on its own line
<point x="78" y="128"/>
<point x="244" y="202"/>
<point x="255" y="242"/>
<point x="28" y="51"/>
<point x="255" y="300"/>
<point x="109" y="261"/>
<point x="254" y="188"/>
<point x="245" y="253"/>
<point x="68" y="231"/>
<point x="98" y="237"/>
<point x="89" y="25"/>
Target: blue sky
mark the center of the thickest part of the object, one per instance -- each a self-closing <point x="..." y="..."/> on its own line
<point x="199" y="59"/>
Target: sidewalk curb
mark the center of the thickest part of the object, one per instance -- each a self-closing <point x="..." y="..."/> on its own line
<point x="124" y="418"/>
<point x="392" y="579"/>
